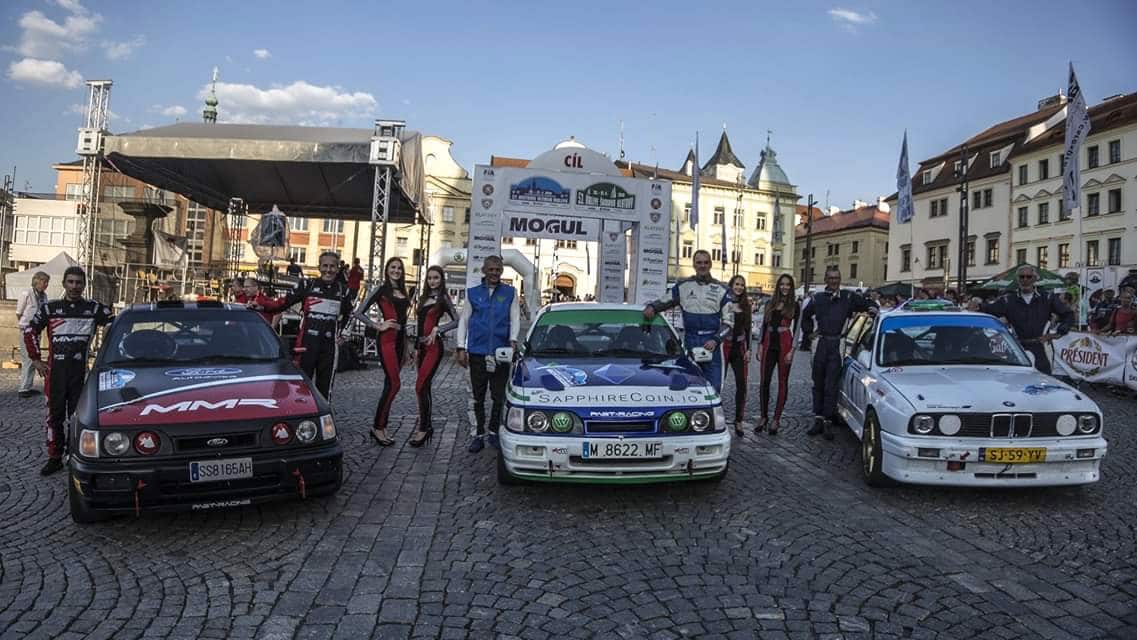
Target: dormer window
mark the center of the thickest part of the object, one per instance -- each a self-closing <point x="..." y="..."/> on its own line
<point x="927" y="177"/>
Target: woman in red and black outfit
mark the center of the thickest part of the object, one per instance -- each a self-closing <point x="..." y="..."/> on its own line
<point x="736" y="350"/>
<point x="777" y="347"/>
<point x="393" y="303"/>
<point x="433" y="305"/>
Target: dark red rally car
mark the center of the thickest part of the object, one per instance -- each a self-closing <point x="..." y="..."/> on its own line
<point x="197" y="406"/>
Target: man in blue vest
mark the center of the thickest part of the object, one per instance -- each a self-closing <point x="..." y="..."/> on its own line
<point x="488" y="320"/>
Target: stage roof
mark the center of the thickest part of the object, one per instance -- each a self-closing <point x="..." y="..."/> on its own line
<point x="306" y="171"/>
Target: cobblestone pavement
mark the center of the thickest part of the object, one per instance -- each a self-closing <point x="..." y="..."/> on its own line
<point x="425" y="544"/>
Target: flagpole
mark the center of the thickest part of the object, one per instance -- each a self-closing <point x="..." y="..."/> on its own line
<point x="1077" y="128"/>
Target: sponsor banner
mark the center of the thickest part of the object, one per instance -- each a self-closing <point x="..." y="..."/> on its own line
<point x="619" y="397"/>
<point x="613" y="259"/>
<point x="556" y="227"/>
<point x="1095" y="358"/>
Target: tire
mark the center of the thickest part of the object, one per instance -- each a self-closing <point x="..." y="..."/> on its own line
<point x="872" y="456"/>
<point x="504" y="477"/>
<point x="80" y="514"/>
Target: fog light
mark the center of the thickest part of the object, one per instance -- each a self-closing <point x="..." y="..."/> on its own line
<point x="676" y="421"/>
<point x="281" y="433"/>
<point x="147" y="443"/>
<point x="1084" y="453"/>
<point x="562" y="422"/>
<point x="89" y="443"/>
<point x="927" y="453"/>
<point x="532" y="452"/>
<point x="116" y="443"/>
<point x="306" y="431"/>
<point x="328" y="426"/>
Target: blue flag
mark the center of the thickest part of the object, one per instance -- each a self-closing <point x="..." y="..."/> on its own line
<point x="903" y="185"/>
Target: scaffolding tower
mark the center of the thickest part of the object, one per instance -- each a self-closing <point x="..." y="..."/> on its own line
<point x="235" y="248"/>
<point x="90" y="148"/>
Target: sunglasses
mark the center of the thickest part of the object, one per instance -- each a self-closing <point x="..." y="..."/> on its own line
<point x="1026" y="277"/>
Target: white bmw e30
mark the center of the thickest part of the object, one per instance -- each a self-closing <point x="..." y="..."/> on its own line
<point x="946" y="397"/>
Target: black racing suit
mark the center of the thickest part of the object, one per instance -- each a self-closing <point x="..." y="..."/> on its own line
<point x="829" y="311"/>
<point x="1029" y="320"/>
<point x="70" y="325"/>
<point x="326" y="309"/>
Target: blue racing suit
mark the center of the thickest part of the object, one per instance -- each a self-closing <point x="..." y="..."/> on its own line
<point x="707" y="315"/>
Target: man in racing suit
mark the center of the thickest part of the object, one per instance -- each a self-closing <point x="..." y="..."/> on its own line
<point x="71" y="322"/>
<point x="707" y="313"/>
<point x="324" y="314"/>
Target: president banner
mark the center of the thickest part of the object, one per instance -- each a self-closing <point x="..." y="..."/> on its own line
<point x="1096" y="358"/>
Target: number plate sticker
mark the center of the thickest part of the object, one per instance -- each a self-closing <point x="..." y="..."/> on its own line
<point x="214" y="470"/>
<point x="1012" y="455"/>
<point x="597" y="449"/>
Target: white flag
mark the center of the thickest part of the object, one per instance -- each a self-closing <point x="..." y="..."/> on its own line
<point x="1077" y="128"/>
<point x="695" y="188"/>
<point x="904" y="185"/>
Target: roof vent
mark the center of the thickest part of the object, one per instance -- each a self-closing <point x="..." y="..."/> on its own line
<point x="1113" y="97"/>
<point x="1051" y="101"/>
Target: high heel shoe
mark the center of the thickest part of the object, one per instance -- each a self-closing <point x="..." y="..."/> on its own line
<point x="425" y="439"/>
<point x="774" y="427"/>
<point x="738" y="430"/>
<point x="761" y="426"/>
<point x="384" y="442"/>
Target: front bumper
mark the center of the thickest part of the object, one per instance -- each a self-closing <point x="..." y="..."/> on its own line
<point x="559" y="458"/>
<point x="164" y="484"/>
<point x="909" y="459"/>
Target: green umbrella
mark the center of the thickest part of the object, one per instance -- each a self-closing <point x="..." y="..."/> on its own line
<point x="1009" y="279"/>
<point x="896" y="289"/>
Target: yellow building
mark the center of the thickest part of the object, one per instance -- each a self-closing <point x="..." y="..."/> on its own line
<point x="855" y="241"/>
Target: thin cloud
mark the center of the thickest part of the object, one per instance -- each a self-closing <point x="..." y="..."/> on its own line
<point x="44" y="38"/>
<point x="850" y="19"/>
<point x="174" y="111"/>
<point x="122" y="50"/>
<point x="45" y="73"/>
<point x="262" y="54"/>
<point x="297" y="103"/>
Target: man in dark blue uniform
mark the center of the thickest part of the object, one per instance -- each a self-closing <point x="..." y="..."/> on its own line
<point x="828" y="311"/>
<point x="1028" y="312"/>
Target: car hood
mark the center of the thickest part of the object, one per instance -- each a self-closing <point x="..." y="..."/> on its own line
<point x="128" y="396"/>
<point x="981" y="389"/>
<point x="616" y="382"/>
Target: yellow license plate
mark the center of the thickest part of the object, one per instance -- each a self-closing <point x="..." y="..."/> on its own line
<point x="1013" y="456"/>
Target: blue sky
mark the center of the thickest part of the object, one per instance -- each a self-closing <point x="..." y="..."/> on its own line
<point x="837" y="82"/>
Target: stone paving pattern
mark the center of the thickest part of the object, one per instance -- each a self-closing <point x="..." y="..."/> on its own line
<point x="425" y="544"/>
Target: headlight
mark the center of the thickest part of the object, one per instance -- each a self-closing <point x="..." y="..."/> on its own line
<point x="537" y="422"/>
<point x="700" y="420"/>
<point x="923" y="425"/>
<point x="1066" y="424"/>
<point x="328" y="426"/>
<point x="950" y="425"/>
<point x="89" y="443"/>
<point x="562" y="422"/>
<point x="306" y="431"/>
<point x="515" y="419"/>
<point x="116" y="443"/>
<point x="1087" y="423"/>
<point x="676" y="421"/>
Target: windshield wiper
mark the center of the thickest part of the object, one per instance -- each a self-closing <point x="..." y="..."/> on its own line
<point x="628" y="353"/>
<point x="227" y="358"/>
<point x="553" y="351"/>
<point x="906" y="363"/>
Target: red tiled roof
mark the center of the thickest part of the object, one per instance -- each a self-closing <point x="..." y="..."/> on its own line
<point x="869" y="216"/>
<point x="645" y="171"/>
<point x="1115" y="113"/>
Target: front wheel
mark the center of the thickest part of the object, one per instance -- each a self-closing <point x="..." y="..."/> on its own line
<point x="872" y="456"/>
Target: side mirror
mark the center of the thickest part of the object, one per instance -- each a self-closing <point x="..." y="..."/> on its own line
<point x="504" y="355"/>
<point x="1030" y="356"/>
<point x="865" y="358"/>
<point x="701" y="355"/>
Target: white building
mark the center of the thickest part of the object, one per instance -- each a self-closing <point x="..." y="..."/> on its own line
<point x="926" y="250"/>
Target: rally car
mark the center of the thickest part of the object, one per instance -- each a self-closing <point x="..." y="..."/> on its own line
<point x="197" y="406"/>
<point x="942" y="396"/>
<point x="598" y="394"/>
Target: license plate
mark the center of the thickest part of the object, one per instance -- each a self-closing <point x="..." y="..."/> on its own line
<point x="621" y="449"/>
<point x="214" y="470"/>
<point x="1013" y="456"/>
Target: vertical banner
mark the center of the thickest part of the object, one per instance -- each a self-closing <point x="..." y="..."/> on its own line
<point x="486" y="211"/>
<point x="651" y="242"/>
<point x="613" y="259"/>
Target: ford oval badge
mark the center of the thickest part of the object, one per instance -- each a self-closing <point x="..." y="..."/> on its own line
<point x="217" y="442"/>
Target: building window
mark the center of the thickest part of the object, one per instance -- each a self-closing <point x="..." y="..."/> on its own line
<point x="1043" y="213"/>
<point x="853" y="270"/>
<point x="530" y="242"/>
<point x="1020" y="256"/>
<point x="1023" y="215"/>
<point x="927" y="177"/>
<point x="1064" y="255"/>
<point x="687" y="213"/>
<point x="716" y="255"/>
<point x="1114" y="151"/>
<point x="988" y="197"/>
<point x="1063" y="214"/>
<point x="74" y="191"/>
<point x="1043" y="169"/>
<point x="735" y="256"/>
<point x="1023" y="178"/>
<point x="992" y="251"/>
<point x="1092" y="159"/>
<point x="332" y="226"/>
<point x="939" y="208"/>
<point x="905" y="260"/>
<point x="298" y="224"/>
<point x="45" y="230"/>
<point x="688" y="249"/>
<point x="1114" y="200"/>
<point x="1092" y="257"/>
<point x="720" y="213"/>
<point x="1114" y="257"/>
<point x="1093" y="204"/>
<point x="856" y="246"/>
<point x="832" y="249"/>
<point x="996" y="159"/>
<point x="760" y="258"/>
<point x="401" y="242"/>
<point x="739" y="218"/>
<point x="467" y="215"/>
<point x="936" y="256"/>
<point x="299" y="254"/>
<point x="106" y="231"/>
<point x="981" y="199"/>
<point x="969" y="249"/>
<point x="777" y="260"/>
<point x="507" y="240"/>
<point x="118" y="193"/>
<point x="566" y="244"/>
<point x="1042" y="255"/>
<point x="448" y="214"/>
<point x="761" y="226"/>
<point x="804" y="253"/>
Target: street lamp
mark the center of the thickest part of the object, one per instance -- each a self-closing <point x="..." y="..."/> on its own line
<point x="961" y="176"/>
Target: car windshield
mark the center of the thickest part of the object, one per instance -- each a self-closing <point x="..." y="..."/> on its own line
<point x="915" y="340"/>
<point x="190" y="336"/>
<point x="602" y="333"/>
